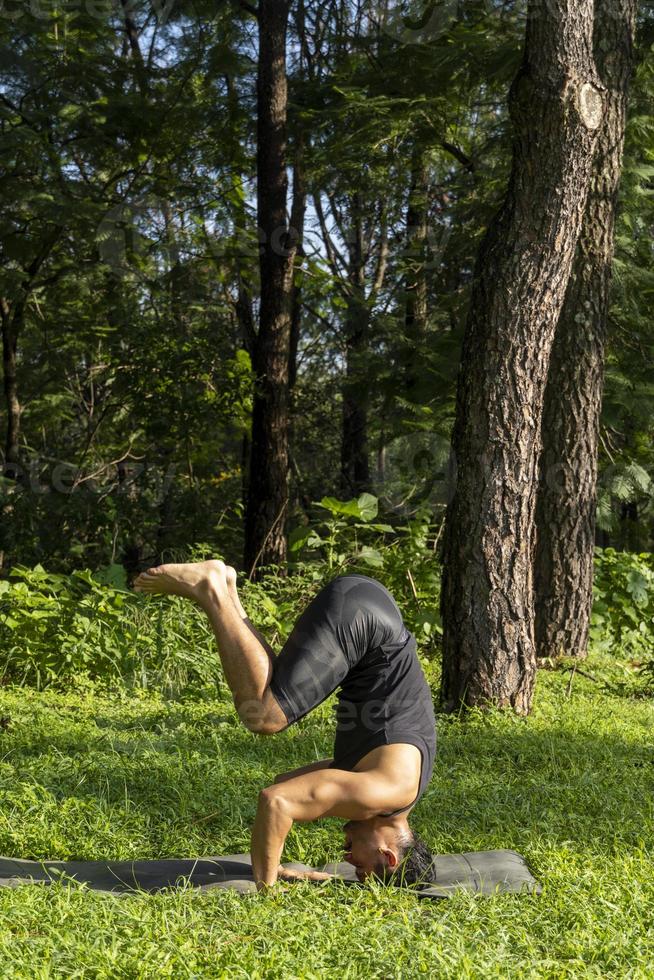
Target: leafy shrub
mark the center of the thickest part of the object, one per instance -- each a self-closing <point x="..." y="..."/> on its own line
<point x="348" y="537"/>
<point x="623" y="607"/>
<point x="56" y="628"/>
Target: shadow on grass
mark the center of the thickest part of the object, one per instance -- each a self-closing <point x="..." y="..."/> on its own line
<point x="178" y="784"/>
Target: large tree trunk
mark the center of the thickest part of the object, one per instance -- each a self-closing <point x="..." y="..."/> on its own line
<point x="265" y="538"/>
<point x="573" y="398"/>
<point x="355" y="468"/>
<point x="520" y="281"/>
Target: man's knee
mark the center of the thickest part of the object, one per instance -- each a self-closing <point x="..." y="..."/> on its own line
<point x="257" y="718"/>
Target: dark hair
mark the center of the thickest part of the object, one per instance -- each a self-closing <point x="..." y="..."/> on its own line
<point x="415" y="865"/>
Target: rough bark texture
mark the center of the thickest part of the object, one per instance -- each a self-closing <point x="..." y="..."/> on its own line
<point x="355" y="467"/>
<point x="520" y="281"/>
<point x="265" y="539"/>
<point x="573" y="398"/>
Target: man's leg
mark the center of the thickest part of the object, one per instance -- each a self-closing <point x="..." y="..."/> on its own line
<point x="230" y="574"/>
<point x="246" y="661"/>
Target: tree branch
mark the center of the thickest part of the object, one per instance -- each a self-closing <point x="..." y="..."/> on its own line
<point x="459" y="155"/>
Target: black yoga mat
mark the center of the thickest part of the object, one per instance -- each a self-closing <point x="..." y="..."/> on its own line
<point x="479" y="872"/>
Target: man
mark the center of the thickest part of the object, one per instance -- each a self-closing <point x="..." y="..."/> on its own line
<point x="351" y="636"/>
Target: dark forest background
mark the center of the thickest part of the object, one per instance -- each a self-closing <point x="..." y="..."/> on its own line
<point x="130" y="268"/>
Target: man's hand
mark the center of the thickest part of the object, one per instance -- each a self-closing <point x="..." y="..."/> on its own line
<point x="288" y="874"/>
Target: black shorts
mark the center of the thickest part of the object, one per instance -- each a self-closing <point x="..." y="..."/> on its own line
<point x="349" y="616"/>
<point x="352" y="637"/>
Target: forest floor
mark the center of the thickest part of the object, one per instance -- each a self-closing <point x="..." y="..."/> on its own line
<point x="89" y="775"/>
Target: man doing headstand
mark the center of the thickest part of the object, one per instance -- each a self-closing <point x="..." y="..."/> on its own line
<point x="351" y="636"/>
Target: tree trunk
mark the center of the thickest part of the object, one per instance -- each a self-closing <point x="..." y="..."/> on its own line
<point x="132" y="35"/>
<point x="415" y="282"/>
<point x="519" y="287"/>
<point x="355" y="469"/>
<point x="298" y="212"/>
<point x="573" y="398"/>
<point x="265" y="538"/>
<point x="298" y="216"/>
<point x="10" y="330"/>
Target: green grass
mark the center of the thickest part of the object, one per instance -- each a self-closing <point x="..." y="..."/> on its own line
<point x="86" y="775"/>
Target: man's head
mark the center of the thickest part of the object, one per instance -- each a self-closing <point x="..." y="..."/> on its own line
<point x="388" y="849"/>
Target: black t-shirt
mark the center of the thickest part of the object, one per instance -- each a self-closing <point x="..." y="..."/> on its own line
<point x="352" y="636"/>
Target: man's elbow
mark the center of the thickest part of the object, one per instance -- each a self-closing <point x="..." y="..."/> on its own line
<point x="257" y="719"/>
<point x="264" y="726"/>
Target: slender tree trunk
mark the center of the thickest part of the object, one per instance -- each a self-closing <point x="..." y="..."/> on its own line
<point x="243" y="304"/>
<point x="520" y="282"/>
<point x="132" y="35"/>
<point x="10" y="331"/>
<point x="298" y="216"/>
<point x="265" y="538"/>
<point x="12" y="316"/>
<point x="415" y="283"/>
<point x="573" y="398"/>
<point x="355" y="468"/>
<point x="298" y="212"/>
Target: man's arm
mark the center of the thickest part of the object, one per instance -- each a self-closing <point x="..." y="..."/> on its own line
<point x="321" y="793"/>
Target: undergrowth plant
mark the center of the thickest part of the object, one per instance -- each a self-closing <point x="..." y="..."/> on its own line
<point x="63" y="630"/>
<point x="623" y="607"/>
<point x="348" y="537"/>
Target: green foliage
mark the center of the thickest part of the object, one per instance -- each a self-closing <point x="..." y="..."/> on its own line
<point x="128" y="234"/>
<point x="61" y="629"/>
<point x="623" y="608"/>
<point x="338" y="539"/>
<point x="402" y="556"/>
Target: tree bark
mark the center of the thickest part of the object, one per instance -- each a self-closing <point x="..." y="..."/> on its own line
<point x="573" y="398"/>
<point x="519" y="287"/>
<point x="132" y="35"/>
<point x="298" y="212"/>
<point x="415" y="282"/>
<point x="355" y="467"/>
<point x="12" y="317"/>
<point x="11" y="321"/>
<point x="417" y="231"/>
<point x="265" y="538"/>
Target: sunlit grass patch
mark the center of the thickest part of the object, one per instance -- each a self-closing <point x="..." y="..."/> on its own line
<point x="86" y="775"/>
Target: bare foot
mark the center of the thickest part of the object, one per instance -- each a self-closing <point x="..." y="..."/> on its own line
<point x="192" y="580"/>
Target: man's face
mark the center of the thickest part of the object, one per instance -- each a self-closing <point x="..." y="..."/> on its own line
<point x="364" y="846"/>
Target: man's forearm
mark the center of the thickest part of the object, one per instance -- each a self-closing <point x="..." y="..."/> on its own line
<point x="271" y="827"/>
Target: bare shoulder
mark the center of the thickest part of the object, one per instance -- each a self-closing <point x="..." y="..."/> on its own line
<point x="400" y="762"/>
